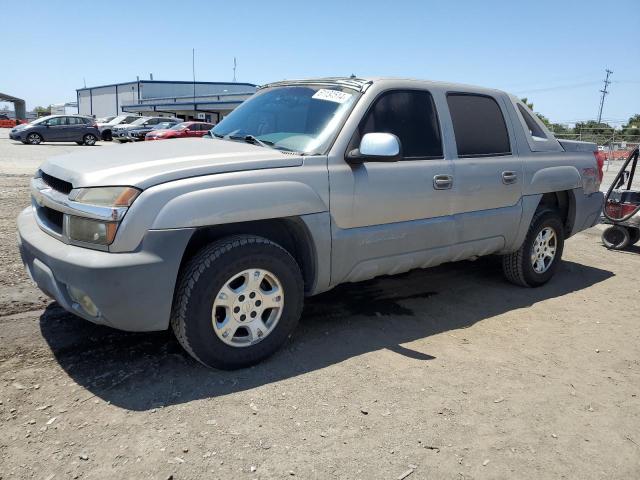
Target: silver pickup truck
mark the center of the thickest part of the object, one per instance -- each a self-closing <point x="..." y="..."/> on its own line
<point x="306" y="185"/>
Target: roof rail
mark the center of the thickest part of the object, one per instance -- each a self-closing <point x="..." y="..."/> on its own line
<point x="359" y="84"/>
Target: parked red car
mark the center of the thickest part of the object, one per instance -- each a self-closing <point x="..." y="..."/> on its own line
<point x="181" y="130"/>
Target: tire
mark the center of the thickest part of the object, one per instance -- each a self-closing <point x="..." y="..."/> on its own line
<point x="616" y="237"/>
<point x="89" y="139"/>
<point x="106" y="136"/>
<point x="533" y="264"/>
<point x="34" y="139"/>
<point x="200" y="322"/>
<point x="634" y="235"/>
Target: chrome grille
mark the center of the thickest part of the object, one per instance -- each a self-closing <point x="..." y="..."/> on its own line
<point x="57" y="184"/>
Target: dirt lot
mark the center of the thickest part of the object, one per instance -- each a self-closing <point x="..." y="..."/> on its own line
<point x="444" y="373"/>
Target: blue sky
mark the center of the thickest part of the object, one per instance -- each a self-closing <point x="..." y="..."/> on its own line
<point x="553" y="52"/>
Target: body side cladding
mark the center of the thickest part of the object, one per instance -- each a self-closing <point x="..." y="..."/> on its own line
<point x="554" y="179"/>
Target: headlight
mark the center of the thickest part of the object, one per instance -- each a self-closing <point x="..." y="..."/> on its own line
<point x="105" y="196"/>
<point x="91" y="231"/>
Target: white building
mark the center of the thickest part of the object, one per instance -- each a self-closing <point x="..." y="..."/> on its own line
<point x="207" y="101"/>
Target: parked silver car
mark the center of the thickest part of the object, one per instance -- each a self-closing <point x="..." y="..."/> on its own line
<point x="106" y="126"/>
<point x="306" y="185"/>
<point x="120" y="133"/>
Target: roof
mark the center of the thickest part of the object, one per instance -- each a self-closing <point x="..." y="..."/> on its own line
<point x="165" y="81"/>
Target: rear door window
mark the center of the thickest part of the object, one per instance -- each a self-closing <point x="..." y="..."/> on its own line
<point x="411" y="116"/>
<point x="478" y="125"/>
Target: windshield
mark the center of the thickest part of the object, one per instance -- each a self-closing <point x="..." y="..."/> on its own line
<point x="164" y="126"/>
<point x="41" y="119"/>
<point x="104" y="119"/>
<point x="139" y="121"/>
<point x="301" y="118"/>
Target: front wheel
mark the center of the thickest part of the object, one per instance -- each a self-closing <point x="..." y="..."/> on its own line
<point x="536" y="261"/>
<point x="34" y="139"/>
<point x="89" y="139"/>
<point x="237" y="301"/>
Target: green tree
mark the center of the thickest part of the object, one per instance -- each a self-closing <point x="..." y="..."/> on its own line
<point x="632" y="127"/>
<point x="525" y="100"/>
<point x="42" y="111"/>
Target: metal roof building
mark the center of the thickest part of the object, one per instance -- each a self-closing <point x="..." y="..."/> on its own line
<point x="188" y="100"/>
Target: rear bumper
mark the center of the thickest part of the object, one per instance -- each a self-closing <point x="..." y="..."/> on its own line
<point x="132" y="291"/>
<point x="588" y="210"/>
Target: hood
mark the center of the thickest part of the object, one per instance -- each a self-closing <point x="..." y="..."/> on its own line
<point x="146" y="164"/>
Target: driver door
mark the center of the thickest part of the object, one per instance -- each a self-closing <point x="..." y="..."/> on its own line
<point x="56" y="129"/>
<point x="391" y="217"/>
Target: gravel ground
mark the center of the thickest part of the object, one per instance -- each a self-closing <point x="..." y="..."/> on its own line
<point x="443" y="373"/>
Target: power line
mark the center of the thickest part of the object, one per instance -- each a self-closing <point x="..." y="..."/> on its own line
<point x="604" y="91"/>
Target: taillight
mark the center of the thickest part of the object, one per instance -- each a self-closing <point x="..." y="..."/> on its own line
<point x="600" y="158"/>
<point x="620" y="210"/>
<point x="94" y="125"/>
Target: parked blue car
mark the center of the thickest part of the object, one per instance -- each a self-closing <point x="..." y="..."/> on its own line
<point x="58" y="128"/>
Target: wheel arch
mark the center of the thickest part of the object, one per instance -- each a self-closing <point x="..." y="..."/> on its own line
<point x="564" y="202"/>
<point x="290" y="233"/>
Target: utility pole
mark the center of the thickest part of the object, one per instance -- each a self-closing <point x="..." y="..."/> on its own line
<point x="235" y="64"/>
<point x="193" y="69"/>
<point x="604" y="91"/>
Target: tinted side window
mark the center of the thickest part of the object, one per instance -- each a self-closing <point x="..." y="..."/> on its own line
<point x="478" y="125"/>
<point x="75" y="121"/>
<point x="56" y="121"/>
<point x="411" y="116"/>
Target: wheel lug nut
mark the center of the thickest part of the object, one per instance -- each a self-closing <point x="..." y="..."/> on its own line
<point x="253" y="314"/>
<point x="236" y="310"/>
<point x="252" y="295"/>
<point x="243" y="317"/>
<point x="241" y="298"/>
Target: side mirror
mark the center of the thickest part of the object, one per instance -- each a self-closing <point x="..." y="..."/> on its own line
<point x="376" y="147"/>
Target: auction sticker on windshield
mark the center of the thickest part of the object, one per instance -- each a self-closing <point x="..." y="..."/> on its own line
<point x="331" y="95"/>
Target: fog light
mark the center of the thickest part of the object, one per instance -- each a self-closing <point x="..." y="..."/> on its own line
<point x="82" y="299"/>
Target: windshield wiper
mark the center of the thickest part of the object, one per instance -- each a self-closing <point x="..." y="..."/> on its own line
<point x="253" y="140"/>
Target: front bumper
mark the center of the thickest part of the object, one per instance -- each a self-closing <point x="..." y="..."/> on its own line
<point x="132" y="291"/>
<point x="121" y="136"/>
<point x="15" y="136"/>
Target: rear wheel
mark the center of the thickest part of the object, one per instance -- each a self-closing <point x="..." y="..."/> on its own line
<point x="237" y="301"/>
<point x="34" y="139"/>
<point x="616" y="237"/>
<point x="536" y="261"/>
<point x="89" y="139"/>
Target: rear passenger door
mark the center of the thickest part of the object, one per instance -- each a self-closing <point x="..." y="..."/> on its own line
<point x="487" y="171"/>
<point x="76" y="129"/>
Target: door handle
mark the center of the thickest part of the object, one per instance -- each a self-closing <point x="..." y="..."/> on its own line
<point x="509" y="177"/>
<point x="442" y="182"/>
